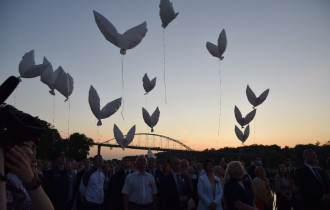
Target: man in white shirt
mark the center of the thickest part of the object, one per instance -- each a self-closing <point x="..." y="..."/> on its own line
<point x="91" y="187"/>
<point x="140" y="189"/>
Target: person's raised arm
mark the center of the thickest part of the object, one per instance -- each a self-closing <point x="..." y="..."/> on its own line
<point x="19" y="164"/>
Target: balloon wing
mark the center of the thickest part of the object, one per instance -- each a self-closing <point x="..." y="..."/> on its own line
<point x="94" y="103"/>
<point x="48" y="77"/>
<point x="111" y="108"/>
<point x="242" y="137"/>
<point x="222" y="43"/>
<point x="147" y="84"/>
<point x="63" y="83"/>
<point x="121" y="140"/>
<point x="166" y="12"/>
<point x="150" y="154"/>
<point x="213" y="49"/>
<point x="134" y="36"/>
<point x="107" y="29"/>
<point x="155" y="118"/>
<point x="130" y="39"/>
<point x="28" y="68"/>
<point x="146" y="117"/>
<point x="152" y="120"/>
<point x="244" y="121"/>
<point x="256" y="101"/>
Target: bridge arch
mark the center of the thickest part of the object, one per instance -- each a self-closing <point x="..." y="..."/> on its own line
<point x="187" y="148"/>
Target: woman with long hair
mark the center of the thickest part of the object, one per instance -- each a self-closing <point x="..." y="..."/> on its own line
<point x="209" y="189"/>
<point x="283" y="190"/>
<point x="238" y="193"/>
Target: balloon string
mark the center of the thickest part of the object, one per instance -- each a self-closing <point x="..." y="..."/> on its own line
<point x="164" y="64"/>
<point x="98" y="134"/>
<point x="219" y="97"/>
<point x="122" y="82"/>
<point x="67" y="145"/>
<point x="254" y="138"/>
<point x="53" y="119"/>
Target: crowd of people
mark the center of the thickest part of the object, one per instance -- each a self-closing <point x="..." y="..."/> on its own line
<point x="147" y="184"/>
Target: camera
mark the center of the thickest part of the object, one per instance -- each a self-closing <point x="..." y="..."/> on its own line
<point x="16" y="126"/>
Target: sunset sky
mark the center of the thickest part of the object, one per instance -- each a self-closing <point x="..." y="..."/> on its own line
<point x="280" y="45"/>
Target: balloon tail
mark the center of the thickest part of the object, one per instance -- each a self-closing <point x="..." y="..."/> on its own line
<point x="164" y="64"/>
<point x="99" y="123"/>
<point x="219" y="99"/>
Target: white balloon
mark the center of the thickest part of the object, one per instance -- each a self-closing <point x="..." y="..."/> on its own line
<point x="218" y="50"/>
<point x="121" y="140"/>
<point x="128" y="40"/>
<point x="247" y="119"/>
<point x="147" y="84"/>
<point x="63" y="83"/>
<point x="49" y="76"/>
<point x="256" y="101"/>
<point x="151" y="155"/>
<point x="166" y="12"/>
<point x="242" y="137"/>
<point x="152" y="120"/>
<point x="94" y="103"/>
<point x="28" y="68"/>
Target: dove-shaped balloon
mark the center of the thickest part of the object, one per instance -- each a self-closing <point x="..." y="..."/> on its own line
<point x="242" y="137"/>
<point x="63" y="83"/>
<point x="94" y="103"/>
<point x="128" y="40"/>
<point x="247" y="119"/>
<point x="256" y="101"/>
<point x="217" y="51"/>
<point x="166" y="12"/>
<point x="147" y="84"/>
<point x="152" y="120"/>
<point x="49" y="76"/>
<point x="121" y="140"/>
<point x="151" y="155"/>
<point x="27" y="67"/>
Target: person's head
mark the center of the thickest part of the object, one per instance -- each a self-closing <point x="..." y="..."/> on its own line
<point x="152" y="163"/>
<point x="281" y="170"/>
<point x="98" y="161"/>
<point x="260" y="172"/>
<point x="59" y="157"/>
<point x="87" y="164"/>
<point x="191" y="161"/>
<point x="287" y="162"/>
<point x="166" y="167"/>
<point x="159" y="166"/>
<point x="310" y="157"/>
<point x="208" y="166"/>
<point x="219" y="171"/>
<point x="258" y="161"/>
<point x="175" y="164"/>
<point x="141" y="163"/>
<point x="234" y="169"/>
<point x="190" y="170"/>
<point x="184" y="164"/>
<point x="127" y="163"/>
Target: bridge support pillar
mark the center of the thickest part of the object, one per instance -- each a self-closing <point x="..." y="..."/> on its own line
<point x="98" y="149"/>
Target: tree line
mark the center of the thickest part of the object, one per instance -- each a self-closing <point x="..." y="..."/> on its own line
<point x="78" y="146"/>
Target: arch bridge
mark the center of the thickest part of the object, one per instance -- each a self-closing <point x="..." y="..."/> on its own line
<point x="146" y="141"/>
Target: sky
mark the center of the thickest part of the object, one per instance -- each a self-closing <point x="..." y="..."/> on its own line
<point x="280" y="45"/>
